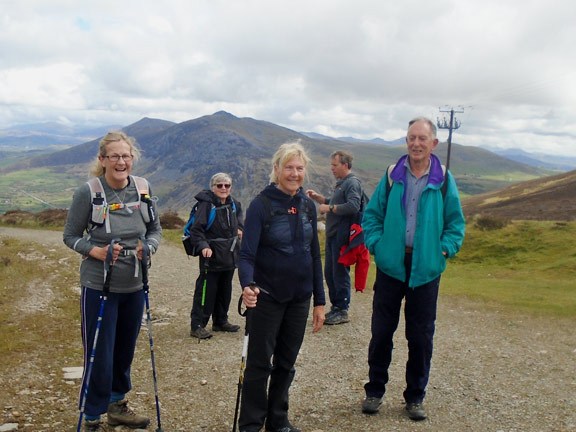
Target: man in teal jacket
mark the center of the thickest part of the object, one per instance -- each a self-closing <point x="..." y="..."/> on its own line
<point x="412" y="225"/>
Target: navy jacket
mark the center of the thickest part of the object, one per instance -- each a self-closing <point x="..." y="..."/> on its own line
<point x="281" y="253"/>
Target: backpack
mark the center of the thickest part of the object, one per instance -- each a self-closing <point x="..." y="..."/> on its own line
<point x="188" y="246"/>
<point x="101" y="209"/>
<point x="364" y="200"/>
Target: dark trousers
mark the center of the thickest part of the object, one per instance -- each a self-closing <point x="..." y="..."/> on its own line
<point x="117" y="338"/>
<point x="337" y="275"/>
<point x="276" y="334"/>
<point x="420" y="316"/>
<point x="217" y="298"/>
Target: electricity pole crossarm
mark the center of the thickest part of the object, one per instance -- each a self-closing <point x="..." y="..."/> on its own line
<point x="450" y="125"/>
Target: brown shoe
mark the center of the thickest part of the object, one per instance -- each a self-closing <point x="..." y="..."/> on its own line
<point x="120" y="414"/>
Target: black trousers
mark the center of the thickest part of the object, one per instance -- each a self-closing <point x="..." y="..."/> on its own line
<point x="276" y="335"/>
<point x="217" y="298"/>
<point x="420" y="314"/>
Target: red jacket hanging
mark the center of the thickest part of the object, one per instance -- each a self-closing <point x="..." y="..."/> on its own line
<point x="355" y="253"/>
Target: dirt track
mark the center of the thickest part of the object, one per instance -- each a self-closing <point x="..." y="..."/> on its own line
<point x="490" y="371"/>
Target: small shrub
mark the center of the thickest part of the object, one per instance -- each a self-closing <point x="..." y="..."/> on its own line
<point x="490" y="223"/>
<point x="52" y="217"/>
<point x="171" y="220"/>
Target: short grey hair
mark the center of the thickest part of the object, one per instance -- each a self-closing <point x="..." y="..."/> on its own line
<point x="219" y="178"/>
<point x="427" y="120"/>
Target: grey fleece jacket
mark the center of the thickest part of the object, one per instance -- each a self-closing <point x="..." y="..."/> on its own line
<point x="127" y="225"/>
<point x="347" y="196"/>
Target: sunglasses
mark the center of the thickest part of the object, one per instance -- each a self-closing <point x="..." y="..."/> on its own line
<point x="222" y="185"/>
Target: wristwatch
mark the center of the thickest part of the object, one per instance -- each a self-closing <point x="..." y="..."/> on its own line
<point x="331" y="207"/>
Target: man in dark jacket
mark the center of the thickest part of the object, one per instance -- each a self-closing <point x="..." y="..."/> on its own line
<point x="341" y="211"/>
<point x="216" y="232"/>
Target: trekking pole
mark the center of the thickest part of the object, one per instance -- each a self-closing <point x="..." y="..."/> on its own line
<point x="146" y="288"/>
<point x="248" y="314"/>
<point x="204" y="290"/>
<point x="108" y="266"/>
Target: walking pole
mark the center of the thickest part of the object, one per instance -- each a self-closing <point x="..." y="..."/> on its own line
<point x="204" y="290"/>
<point x="146" y="288"/>
<point x="108" y="266"/>
<point x="248" y="314"/>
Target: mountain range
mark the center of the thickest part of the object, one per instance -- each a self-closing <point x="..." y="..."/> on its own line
<point x="179" y="158"/>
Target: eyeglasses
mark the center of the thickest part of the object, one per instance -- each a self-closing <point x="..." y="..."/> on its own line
<point x="222" y="185"/>
<point x="115" y="158"/>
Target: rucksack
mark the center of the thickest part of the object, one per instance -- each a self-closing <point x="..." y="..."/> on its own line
<point x="101" y="209"/>
<point x="364" y="200"/>
<point x="188" y="246"/>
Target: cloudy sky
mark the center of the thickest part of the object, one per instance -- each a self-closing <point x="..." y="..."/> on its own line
<point x="357" y="68"/>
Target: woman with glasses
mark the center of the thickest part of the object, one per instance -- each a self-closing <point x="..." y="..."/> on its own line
<point x="280" y="271"/>
<point x="112" y="206"/>
<point x="216" y="233"/>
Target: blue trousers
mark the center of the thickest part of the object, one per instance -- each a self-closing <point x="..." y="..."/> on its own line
<point x="217" y="299"/>
<point x="115" y="347"/>
<point x="276" y="335"/>
<point x="337" y="275"/>
<point x="420" y="315"/>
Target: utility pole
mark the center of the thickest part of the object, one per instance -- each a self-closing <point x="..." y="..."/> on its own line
<point x="452" y="124"/>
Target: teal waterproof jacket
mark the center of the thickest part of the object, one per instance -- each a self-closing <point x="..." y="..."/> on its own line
<point x="440" y="225"/>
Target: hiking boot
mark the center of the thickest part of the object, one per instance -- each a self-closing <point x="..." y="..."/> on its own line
<point x="338" y="317"/>
<point x="200" y="333"/>
<point x="329" y="314"/>
<point x="94" y="426"/>
<point x="226" y="327"/>
<point x="120" y="414"/>
<point x="371" y="405"/>
<point x="416" y="411"/>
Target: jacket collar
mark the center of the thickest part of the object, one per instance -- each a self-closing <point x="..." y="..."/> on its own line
<point x="435" y="175"/>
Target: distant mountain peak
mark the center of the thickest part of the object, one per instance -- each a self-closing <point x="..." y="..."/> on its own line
<point x="223" y="114"/>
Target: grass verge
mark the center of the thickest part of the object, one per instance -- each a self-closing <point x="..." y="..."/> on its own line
<point x="519" y="267"/>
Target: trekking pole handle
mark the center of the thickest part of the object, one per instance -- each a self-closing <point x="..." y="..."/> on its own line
<point x="252" y="286"/>
<point x="144" y="262"/>
<point x="108" y="266"/>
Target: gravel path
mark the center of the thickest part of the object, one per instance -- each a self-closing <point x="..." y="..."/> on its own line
<point x="491" y="371"/>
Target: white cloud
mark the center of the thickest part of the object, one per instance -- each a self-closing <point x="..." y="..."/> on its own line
<point x="359" y="68"/>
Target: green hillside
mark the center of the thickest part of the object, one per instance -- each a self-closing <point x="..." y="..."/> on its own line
<point x="520" y="267"/>
<point x="179" y="159"/>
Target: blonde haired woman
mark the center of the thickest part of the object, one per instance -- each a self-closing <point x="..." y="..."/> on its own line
<point x="111" y="206"/>
<point x="280" y="255"/>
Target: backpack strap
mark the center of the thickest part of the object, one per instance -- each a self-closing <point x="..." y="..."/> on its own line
<point x="100" y="209"/>
<point x="144" y="199"/>
<point x="99" y="213"/>
<point x="390" y="181"/>
<point x="269" y="211"/>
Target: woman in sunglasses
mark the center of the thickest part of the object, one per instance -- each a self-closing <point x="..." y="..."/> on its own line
<point x="216" y="232"/>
